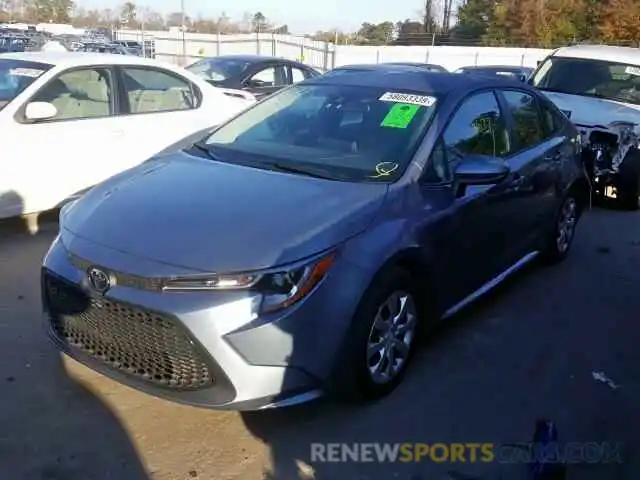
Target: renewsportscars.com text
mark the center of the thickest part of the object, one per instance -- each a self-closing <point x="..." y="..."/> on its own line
<point x="576" y="452"/>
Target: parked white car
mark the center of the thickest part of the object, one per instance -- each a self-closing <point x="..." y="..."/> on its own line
<point x="598" y="88"/>
<point x="71" y="120"/>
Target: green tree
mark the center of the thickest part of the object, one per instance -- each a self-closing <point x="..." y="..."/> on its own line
<point x="380" y="34"/>
<point x="259" y="22"/>
<point x="474" y="20"/>
<point x="128" y="14"/>
<point x="55" y="11"/>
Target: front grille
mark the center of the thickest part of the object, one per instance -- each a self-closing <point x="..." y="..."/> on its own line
<point x="137" y="342"/>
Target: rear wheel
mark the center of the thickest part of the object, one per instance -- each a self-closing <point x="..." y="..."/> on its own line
<point x="559" y="241"/>
<point x="381" y="341"/>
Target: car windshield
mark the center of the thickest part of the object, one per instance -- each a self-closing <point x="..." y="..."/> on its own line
<point x="15" y="76"/>
<point x="218" y="69"/>
<point x="593" y="78"/>
<point x="349" y="133"/>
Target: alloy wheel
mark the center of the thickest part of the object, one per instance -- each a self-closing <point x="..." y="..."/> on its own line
<point x="391" y="337"/>
<point x="566" y="224"/>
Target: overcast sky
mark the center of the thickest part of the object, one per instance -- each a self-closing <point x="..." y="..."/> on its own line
<point x="301" y="16"/>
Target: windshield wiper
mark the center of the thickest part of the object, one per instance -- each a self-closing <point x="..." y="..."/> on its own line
<point x="206" y="150"/>
<point x="614" y="98"/>
<point x="301" y="170"/>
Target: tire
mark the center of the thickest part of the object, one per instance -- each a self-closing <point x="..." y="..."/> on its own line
<point x="628" y="181"/>
<point x="353" y="380"/>
<point x="559" y="240"/>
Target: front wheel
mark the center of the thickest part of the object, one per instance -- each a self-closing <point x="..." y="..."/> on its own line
<point x="559" y="241"/>
<point x="381" y="341"/>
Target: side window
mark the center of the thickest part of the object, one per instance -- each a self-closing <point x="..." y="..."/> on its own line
<point x="269" y="77"/>
<point x="477" y="127"/>
<point x="437" y="169"/>
<point x="150" y="90"/>
<point x="552" y="120"/>
<point x="527" y="126"/>
<point x="549" y="122"/>
<point x="85" y="93"/>
<point x="297" y="75"/>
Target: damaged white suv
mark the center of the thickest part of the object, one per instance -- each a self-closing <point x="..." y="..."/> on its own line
<point x="598" y="88"/>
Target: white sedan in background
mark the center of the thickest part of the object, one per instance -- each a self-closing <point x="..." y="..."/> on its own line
<point x="71" y="120"/>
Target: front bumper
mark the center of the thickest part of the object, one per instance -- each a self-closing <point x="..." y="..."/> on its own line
<point x="201" y="349"/>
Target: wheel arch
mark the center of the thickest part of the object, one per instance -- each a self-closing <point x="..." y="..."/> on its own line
<point x="582" y="190"/>
<point x="412" y="260"/>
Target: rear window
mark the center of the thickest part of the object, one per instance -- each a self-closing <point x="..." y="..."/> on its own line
<point x="218" y="69"/>
<point x="350" y="132"/>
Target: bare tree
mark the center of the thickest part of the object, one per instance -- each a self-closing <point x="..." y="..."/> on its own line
<point x="429" y="15"/>
<point x="446" y="17"/>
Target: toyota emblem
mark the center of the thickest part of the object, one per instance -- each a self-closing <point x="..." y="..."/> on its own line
<point x="99" y="279"/>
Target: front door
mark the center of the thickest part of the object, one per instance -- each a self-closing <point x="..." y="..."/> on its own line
<point x="66" y="154"/>
<point x="475" y="234"/>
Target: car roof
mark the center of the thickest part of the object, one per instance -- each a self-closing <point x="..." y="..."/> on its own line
<point x="415" y="64"/>
<point x="607" y="53"/>
<point x="410" y="79"/>
<point x="251" y="58"/>
<point x="379" y="66"/>
<point x="495" y="67"/>
<point x="79" y="59"/>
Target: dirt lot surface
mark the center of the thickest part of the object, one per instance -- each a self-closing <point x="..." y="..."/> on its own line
<point x="529" y="350"/>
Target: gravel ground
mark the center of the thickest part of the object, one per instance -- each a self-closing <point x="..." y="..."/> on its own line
<point x="527" y="351"/>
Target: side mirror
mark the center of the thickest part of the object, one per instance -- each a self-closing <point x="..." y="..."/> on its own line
<point x="37" y="111"/>
<point x="481" y="170"/>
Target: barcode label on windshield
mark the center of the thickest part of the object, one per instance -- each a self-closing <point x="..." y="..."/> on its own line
<point x="25" y="72"/>
<point x="422" y="100"/>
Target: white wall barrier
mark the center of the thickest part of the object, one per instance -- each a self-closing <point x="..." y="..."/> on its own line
<point x="185" y="48"/>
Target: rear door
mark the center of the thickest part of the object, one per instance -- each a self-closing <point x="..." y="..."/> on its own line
<point x="298" y="74"/>
<point x="535" y="159"/>
<point x="160" y="107"/>
<point x="267" y="80"/>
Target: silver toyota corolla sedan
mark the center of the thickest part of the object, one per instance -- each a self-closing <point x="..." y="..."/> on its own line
<point x="303" y="246"/>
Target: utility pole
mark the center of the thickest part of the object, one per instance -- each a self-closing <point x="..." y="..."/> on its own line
<point x="144" y="46"/>
<point x="184" y="43"/>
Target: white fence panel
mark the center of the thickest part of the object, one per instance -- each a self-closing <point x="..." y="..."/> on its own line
<point x="186" y="48"/>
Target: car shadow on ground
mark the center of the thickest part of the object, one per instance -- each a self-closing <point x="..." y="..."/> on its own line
<point x="53" y="427"/>
<point x="290" y="432"/>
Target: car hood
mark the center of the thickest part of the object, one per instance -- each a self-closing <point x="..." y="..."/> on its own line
<point x="216" y="217"/>
<point x="594" y="111"/>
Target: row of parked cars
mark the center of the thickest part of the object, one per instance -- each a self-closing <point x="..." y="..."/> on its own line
<point x="302" y="245"/>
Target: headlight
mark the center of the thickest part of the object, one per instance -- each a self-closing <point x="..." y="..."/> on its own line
<point x="279" y="289"/>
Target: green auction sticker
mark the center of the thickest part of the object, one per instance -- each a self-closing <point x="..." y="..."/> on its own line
<point x="400" y="115"/>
